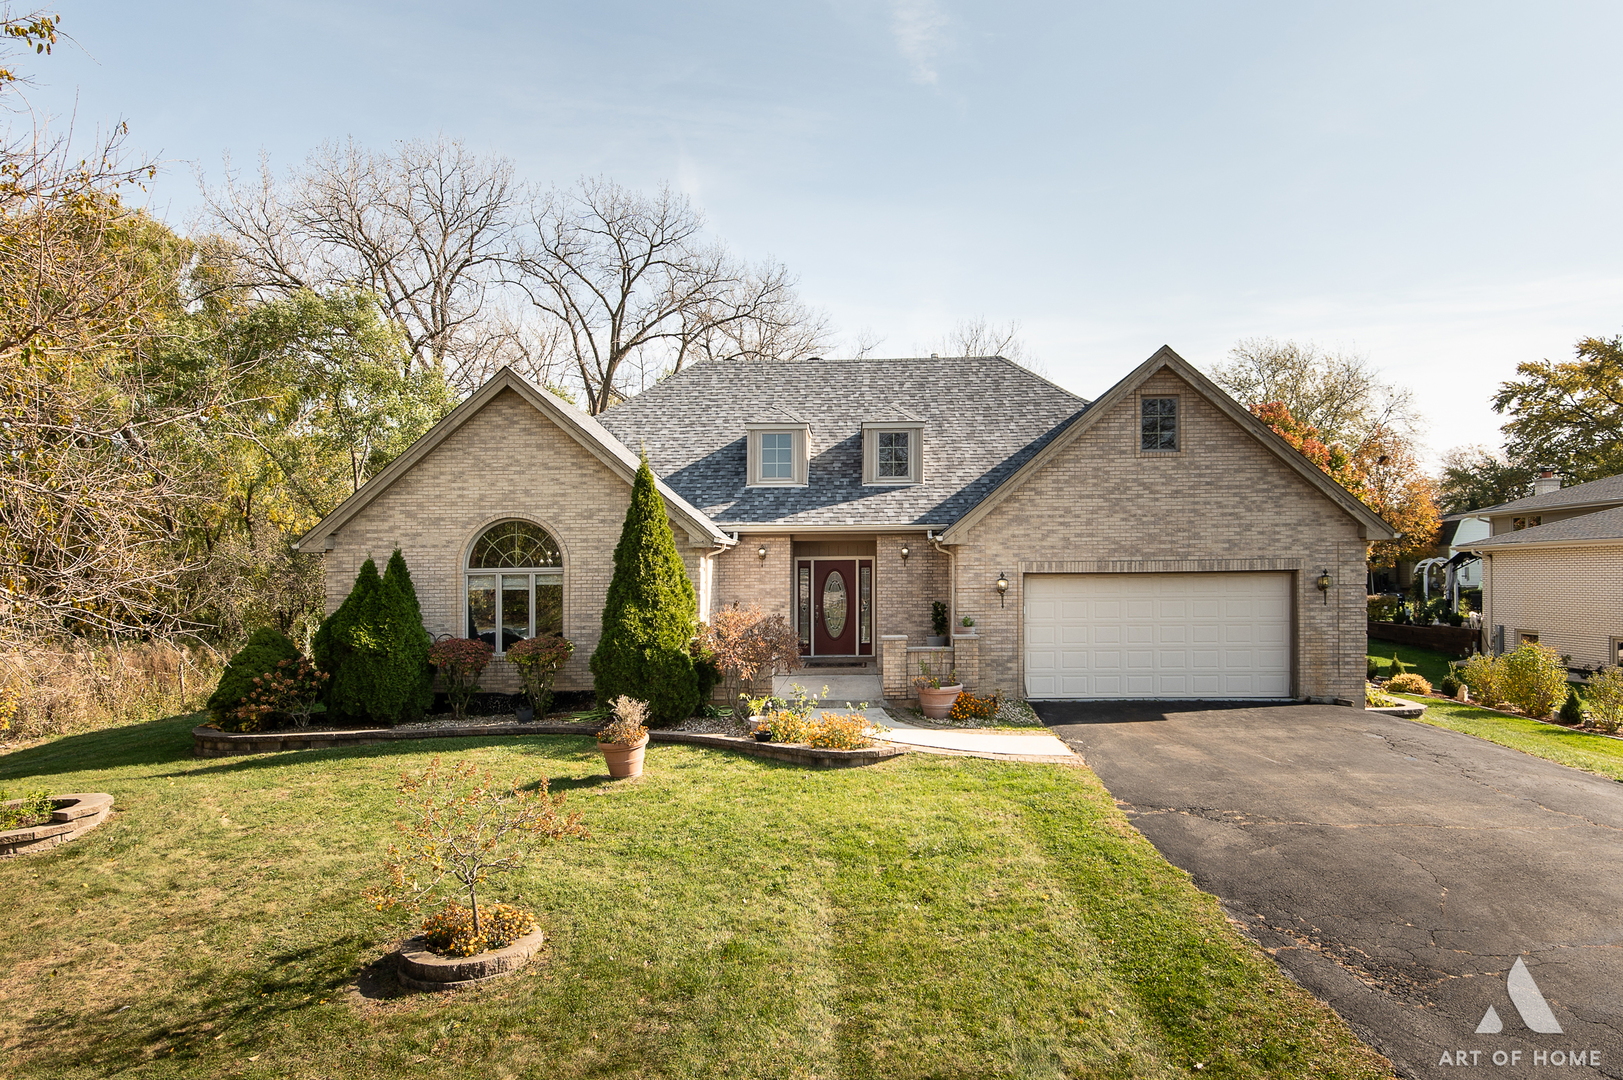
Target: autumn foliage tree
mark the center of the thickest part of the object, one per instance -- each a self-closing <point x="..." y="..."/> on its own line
<point x="1384" y="473"/>
<point x="744" y="643"/>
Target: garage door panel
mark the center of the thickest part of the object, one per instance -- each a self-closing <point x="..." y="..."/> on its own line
<point x="1158" y="635"/>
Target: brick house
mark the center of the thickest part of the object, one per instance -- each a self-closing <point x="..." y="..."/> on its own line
<point x="1158" y="542"/>
<point x="1552" y="570"/>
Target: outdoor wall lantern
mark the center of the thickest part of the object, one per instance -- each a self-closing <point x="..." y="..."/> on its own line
<point x="761" y="551"/>
<point x="1002" y="587"/>
<point x="906" y="551"/>
<point x="1324" y="584"/>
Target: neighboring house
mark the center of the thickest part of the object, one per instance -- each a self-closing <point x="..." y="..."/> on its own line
<point x="1553" y="571"/>
<point x="1159" y="542"/>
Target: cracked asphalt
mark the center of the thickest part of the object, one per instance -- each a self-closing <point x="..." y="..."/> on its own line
<point x="1395" y="870"/>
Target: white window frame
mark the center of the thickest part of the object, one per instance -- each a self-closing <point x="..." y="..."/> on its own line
<point x="533" y="573"/>
<point x="799" y="459"/>
<point x="870" y="453"/>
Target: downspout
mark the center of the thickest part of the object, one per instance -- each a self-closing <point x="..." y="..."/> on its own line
<point x="952" y="582"/>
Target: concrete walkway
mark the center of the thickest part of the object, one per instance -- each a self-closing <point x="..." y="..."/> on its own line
<point x="1000" y="744"/>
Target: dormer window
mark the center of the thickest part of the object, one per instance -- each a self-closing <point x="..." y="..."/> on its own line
<point x="778" y="454"/>
<point x="893" y="453"/>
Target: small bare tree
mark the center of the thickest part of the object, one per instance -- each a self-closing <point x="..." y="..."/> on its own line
<point x="464" y="827"/>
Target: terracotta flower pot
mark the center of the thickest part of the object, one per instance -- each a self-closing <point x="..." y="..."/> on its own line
<point x="625" y="759"/>
<point x="937" y="703"/>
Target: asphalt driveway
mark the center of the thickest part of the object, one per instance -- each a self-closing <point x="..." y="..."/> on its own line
<point x="1395" y="870"/>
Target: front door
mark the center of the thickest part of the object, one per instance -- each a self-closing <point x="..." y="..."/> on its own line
<point x="834" y="607"/>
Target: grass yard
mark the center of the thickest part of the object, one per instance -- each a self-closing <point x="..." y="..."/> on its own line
<point x="1581" y="750"/>
<point x="1432" y="665"/>
<point x="927" y="917"/>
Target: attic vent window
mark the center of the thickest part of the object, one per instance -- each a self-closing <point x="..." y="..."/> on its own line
<point x="1159" y="425"/>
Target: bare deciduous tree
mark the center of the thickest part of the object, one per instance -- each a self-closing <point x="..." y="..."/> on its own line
<point x="978" y="337"/>
<point x="427" y="228"/>
<point x="1339" y="393"/>
<point x="637" y="287"/>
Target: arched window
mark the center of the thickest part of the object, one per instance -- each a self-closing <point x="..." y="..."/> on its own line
<point x="515" y="584"/>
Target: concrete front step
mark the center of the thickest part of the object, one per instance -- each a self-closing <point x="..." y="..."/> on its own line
<point x="842" y="688"/>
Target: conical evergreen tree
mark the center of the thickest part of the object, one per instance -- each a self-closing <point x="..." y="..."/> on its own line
<point x="375" y="649"/>
<point x="412" y="640"/>
<point x="650" y="615"/>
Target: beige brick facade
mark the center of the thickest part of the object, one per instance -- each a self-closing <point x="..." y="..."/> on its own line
<point x="1570" y="596"/>
<point x="1225" y="502"/>
<point x="506" y="461"/>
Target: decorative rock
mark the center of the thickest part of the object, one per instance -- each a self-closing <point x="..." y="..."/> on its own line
<point x="75" y="815"/>
<point x="421" y="969"/>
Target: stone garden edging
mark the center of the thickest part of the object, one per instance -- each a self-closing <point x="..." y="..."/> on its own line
<point x="1402" y="712"/>
<point x="75" y="815"/>
<point x="210" y="742"/>
<point x="421" y="969"/>
<point x="790" y="752"/>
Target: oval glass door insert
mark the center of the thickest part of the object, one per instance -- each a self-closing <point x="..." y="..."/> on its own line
<point x="834" y="604"/>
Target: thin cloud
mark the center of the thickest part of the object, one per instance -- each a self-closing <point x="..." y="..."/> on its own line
<point x="920" y="27"/>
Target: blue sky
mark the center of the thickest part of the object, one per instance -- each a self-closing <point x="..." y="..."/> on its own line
<point x="1432" y="185"/>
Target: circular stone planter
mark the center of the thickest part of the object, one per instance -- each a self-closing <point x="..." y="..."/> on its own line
<point x="421" y="969"/>
<point x="74" y="816"/>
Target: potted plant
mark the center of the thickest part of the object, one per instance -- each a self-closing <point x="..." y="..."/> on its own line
<point x="758" y="712"/>
<point x="937" y="692"/>
<point x="938" y="624"/>
<point x="624" y="738"/>
<point x="967" y="623"/>
<point x="538" y="660"/>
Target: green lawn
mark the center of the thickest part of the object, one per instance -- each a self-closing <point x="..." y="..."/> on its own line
<point x="1432" y="665"/>
<point x="1582" y="750"/>
<point x="926" y="917"/>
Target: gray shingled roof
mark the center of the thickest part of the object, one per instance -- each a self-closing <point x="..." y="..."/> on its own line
<point x="983" y="418"/>
<point x="1605" y="490"/>
<point x="1601" y="525"/>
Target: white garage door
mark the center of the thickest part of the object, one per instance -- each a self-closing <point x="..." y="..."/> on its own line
<point x="1157" y="635"/>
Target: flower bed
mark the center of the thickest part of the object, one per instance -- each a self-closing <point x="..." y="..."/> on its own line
<point x="71" y="817"/>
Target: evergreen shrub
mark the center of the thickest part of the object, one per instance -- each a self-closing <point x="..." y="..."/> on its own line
<point x="376" y="650"/>
<point x="1572" y="711"/>
<point x="649" y="616"/>
<point x="265" y="649"/>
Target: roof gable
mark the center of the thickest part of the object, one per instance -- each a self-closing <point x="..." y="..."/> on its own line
<point x="1601" y="526"/>
<point x="582" y="428"/>
<point x="1373" y="526"/>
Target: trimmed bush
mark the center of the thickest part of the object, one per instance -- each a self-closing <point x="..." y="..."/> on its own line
<point x="1535" y="679"/>
<point x="460" y="662"/>
<point x="265" y="649"/>
<point x="1372" y="668"/>
<point x="376" y="651"/>
<point x="1450" y="686"/>
<point x="649" y="615"/>
<point x="538" y="660"/>
<point x="1398" y="666"/>
<point x="1606" y="699"/>
<point x="1408" y="683"/>
<point x="1485" y="675"/>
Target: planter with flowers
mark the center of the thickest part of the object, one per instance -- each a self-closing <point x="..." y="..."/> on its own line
<point x="937" y="692"/>
<point x="624" y="738"/>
